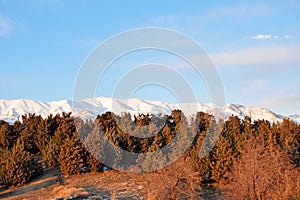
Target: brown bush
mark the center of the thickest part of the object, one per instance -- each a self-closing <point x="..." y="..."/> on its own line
<point x="262" y="172"/>
<point x="18" y="166"/>
<point x="177" y="181"/>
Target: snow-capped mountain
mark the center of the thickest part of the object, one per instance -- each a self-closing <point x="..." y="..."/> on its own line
<point x="12" y="110"/>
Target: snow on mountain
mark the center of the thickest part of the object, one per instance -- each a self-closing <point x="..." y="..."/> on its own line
<point x="295" y="117"/>
<point x="12" y="110"/>
<point x="253" y="112"/>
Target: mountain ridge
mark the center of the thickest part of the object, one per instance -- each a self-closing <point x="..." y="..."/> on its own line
<point x="12" y="110"/>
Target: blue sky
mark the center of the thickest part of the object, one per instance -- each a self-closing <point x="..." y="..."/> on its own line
<point x="255" y="45"/>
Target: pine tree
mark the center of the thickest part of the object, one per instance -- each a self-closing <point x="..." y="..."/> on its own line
<point x="7" y="136"/>
<point x="223" y="157"/>
<point x="73" y="157"/>
<point x="18" y="166"/>
<point x="50" y="153"/>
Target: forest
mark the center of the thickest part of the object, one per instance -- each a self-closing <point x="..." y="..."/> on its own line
<point x="260" y="158"/>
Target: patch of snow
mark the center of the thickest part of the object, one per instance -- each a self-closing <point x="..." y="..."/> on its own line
<point x="12" y="110"/>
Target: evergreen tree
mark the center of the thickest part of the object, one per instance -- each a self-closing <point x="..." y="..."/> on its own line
<point x="73" y="157"/>
<point x="7" y="136"/>
<point x="18" y="166"/>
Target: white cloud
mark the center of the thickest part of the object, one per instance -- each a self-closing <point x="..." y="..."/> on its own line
<point x="287" y="36"/>
<point x="264" y="37"/>
<point x="270" y="37"/>
<point x="5" y="25"/>
<point x="259" y="56"/>
<point x="275" y="37"/>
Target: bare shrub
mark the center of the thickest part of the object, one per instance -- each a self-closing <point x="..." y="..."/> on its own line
<point x="177" y="181"/>
<point x="262" y="172"/>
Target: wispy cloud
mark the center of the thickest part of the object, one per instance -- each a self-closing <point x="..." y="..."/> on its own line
<point x="259" y="56"/>
<point x="89" y="41"/>
<point x="287" y="36"/>
<point x="243" y="10"/>
<point x="206" y="17"/>
<point x="290" y="103"/>
<point x="6" y="25"/>
<point x="264" y="37"/>
<point x="42" y="5"/>
<point x="270" y="37"/>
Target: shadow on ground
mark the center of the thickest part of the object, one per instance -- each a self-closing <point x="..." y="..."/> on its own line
<point x="49" y="177"/>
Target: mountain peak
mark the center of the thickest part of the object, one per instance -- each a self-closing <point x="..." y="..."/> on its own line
<point x="11" y="110"/>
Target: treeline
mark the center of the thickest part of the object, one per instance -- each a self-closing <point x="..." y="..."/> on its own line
<point x="270" y="149"/>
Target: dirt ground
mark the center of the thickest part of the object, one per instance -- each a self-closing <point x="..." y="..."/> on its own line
<point x="106" y="185"/>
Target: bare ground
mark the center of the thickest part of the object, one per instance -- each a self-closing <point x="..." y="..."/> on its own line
<point x="105" y="185"/>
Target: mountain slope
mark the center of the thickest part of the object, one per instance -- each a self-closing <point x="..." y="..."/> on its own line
<point x="12" y="110"/>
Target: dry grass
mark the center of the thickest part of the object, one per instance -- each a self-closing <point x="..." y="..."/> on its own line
<point x="174" y="182"/>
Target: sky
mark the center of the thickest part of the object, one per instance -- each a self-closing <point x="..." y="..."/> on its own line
<point x="255" y="46"/>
